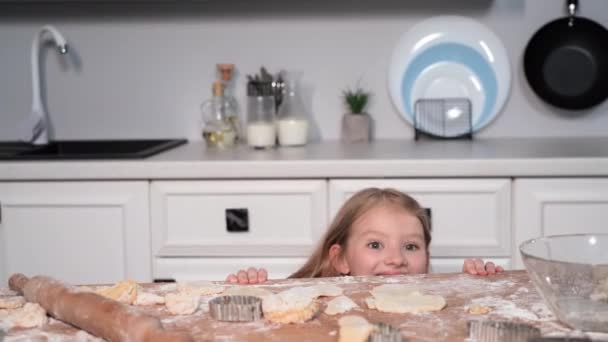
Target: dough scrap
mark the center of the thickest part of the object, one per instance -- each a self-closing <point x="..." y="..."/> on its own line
<point x="340" y="305"/>
<point x="11" y="302"/>
<point x="479" y="310"/>
<point x="247" y="291"/>
<point x="182" y="303"/>
<point x="124" y="291"/>
<point x="396" y="298"/>
<point x="297" y="304"/>
<point x="147" y="298"/>
<point x="29" y="316"/>
<point x="354" y="329"/>
<point x="202" y="288"/>
<point x="299" y="315"/>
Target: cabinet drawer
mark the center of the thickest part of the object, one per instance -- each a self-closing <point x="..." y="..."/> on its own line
<point x="218" y="268"/>
<point x="237" y="218"/>
<point x="469" y="217"/>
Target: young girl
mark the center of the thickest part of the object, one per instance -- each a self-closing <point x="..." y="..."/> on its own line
<point x="376" y="232"/>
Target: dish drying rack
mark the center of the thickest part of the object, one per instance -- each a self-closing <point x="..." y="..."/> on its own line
<point x="443" y="118"/>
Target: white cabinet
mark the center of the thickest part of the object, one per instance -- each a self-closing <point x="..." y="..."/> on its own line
<point x="469" y="217"/>
<point x="79" y="232"/>
<point x="199" y="225"/>
<point x="553" y="206"/>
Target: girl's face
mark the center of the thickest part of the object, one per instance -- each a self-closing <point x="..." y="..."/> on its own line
<point x="386" y="240"/>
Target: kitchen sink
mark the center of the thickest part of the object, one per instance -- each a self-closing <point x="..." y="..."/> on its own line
<point x="87" y="149"/>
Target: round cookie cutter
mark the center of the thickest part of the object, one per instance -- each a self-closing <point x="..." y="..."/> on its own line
<point x="385" y="333"/>
<point x="236" y="308"/>
<point x="499" y="331"/>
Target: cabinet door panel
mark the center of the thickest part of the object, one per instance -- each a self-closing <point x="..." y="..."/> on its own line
<point x="558" y="206"/>
<point x="470" y="217"/>
<point x="79" y="232"/>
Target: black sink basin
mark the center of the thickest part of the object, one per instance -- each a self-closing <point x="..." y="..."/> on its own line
<point x="88" y="149"/>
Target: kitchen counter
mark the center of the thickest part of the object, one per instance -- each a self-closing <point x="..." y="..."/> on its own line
<point x="544" y="157"/>
<point x="510" y="296"/>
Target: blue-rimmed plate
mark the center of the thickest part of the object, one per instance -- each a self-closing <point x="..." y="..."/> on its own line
<point x="450" y="57"/>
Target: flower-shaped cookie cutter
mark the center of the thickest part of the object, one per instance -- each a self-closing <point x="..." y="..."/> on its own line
<point x="236" y="308"/>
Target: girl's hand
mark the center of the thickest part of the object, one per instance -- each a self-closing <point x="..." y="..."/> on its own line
<point x="251" y="276"/>
<point x="477" y="267"/>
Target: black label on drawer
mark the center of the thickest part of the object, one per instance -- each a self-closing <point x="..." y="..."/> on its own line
<point x="237" y="220"/>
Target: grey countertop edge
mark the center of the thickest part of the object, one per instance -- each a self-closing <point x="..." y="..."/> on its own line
<point x="546" y="157"/>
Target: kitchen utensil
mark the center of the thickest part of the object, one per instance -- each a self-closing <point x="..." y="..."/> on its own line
<point x="450" y="57"/>
<point x="385" y="333"/>
<point x="500" y="331"/>
<point x="566" y="61"/>
<point x="236" y="308"/>
<point x="443" y="117"/>
<point x="89" y="311"/>
<point x="571" y="274"/>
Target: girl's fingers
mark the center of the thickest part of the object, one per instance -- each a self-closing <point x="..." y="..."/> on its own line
<point x="242" y="277"/>
<point x="262" y="275"/>
<point x="490" y="268"/>
<point x="232" y="279"/>
<point x="480" y="267"/>
<point x="499" y="269"/>
<point x="252" y="275"/>
<point x="469" y="267"/>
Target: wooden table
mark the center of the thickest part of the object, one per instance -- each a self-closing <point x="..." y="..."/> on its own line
<point x="510" y="296"/>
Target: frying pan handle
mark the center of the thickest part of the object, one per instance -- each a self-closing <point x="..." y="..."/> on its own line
<point x="571" y="6"/>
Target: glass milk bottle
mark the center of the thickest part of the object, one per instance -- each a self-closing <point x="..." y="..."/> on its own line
<point x="217" y="130"/>
<point x="292" y="121"/>
<point x="261" y="129"/>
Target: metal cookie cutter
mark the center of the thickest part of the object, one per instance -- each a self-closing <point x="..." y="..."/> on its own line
<point x="500" y="331"/>
<point x="385" y="333"/>
<point x="236" y="308"/>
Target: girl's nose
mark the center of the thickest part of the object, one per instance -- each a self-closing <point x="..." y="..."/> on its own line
<point x="395" y="257"/>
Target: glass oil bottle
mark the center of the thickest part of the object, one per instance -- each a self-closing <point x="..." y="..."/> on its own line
<point x="218" y="131"/>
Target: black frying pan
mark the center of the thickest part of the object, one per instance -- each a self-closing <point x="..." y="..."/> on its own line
<point x="566" y="61"/>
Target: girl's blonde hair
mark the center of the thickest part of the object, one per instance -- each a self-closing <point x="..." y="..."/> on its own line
<point x="319" y="263"/>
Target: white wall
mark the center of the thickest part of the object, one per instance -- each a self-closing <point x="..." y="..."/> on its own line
<point x="142" y="69"/>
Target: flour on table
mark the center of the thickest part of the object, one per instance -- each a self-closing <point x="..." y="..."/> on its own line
<point x="397" y="298"/>
<point x="340" y="305"/>
<point x="182" y="303"/>
<point x="247" y="291"/>
<point x="202" y="288"/>
<point x="505" y="308"/>
<point x="11" y="302"/>
<point x="354" y="329"/>
<point x="29" y="316"/>
<point x="148" y="298"/>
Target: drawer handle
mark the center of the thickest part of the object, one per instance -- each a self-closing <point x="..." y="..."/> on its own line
<point x="428" y="214"/>
<point x="164" y="280"/>
<point x="237" y="220"/>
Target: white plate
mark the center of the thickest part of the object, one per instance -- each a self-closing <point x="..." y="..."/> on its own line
<point x="446" y="57"/>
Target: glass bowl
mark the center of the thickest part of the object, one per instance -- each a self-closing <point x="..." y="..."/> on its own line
<point x="571" y="274"/>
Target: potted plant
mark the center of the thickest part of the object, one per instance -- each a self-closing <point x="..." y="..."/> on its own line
<point x="356" y="123"/>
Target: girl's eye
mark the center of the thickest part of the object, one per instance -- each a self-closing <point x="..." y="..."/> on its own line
<point x="374" y="245"/>
<point x="411" y="247"/>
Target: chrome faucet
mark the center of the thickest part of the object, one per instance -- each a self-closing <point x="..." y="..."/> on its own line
<point x="37" y="131"/>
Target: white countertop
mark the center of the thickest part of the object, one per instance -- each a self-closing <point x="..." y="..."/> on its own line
<point x="546" y="157"/>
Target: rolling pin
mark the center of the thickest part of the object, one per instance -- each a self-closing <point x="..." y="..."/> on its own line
<point x="100" y="316"/>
